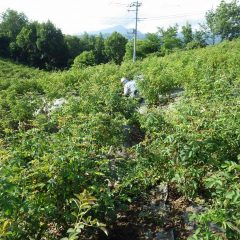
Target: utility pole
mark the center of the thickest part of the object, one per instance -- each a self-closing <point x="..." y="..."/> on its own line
<point x="136" y="5"/>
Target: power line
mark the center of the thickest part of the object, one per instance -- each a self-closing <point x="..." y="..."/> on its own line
<point x="146" y="18"/>
<point x="118" y="3"/>
<point x="167" y="17"/>
<point x="160" y="17"/>
<point x="135" y="5"/>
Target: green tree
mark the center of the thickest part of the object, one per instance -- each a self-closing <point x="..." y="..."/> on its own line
<point x="74" y="47"/>
<point x="169" y="39"/>
<point x="150" y="44"/>
<point x="51" y="44"/>
<point x="12" y="23"/>
<point x="87" y="42"/>
<point x="85" y="59"/>
<point x="99" y="53"/>
<point x="200" y="38"/>
<point x="140" y="51"/>
<point x="196" y="39"/>
<point x="4" y="43"/>
<point x="225" y="20"/>
<point x="115" y="47"/>
<point x="187" y="33"/>
<point x="26" y="41"/>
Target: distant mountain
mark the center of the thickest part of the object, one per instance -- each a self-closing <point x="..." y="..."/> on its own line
<point x="120" y="29"/>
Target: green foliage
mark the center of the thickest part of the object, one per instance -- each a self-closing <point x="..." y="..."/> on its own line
<point x="225" y="20"/>
<point x="191" y="142"/>
<point x="86" y="43"/>
<point x="39" y="45"/>
<point x="85" y="59"/>
<point x="115" y="47"/>
<point x="84" y="202"/>
<point x="187" y="33"/>
<point x="59" y="154"/>
<point x="224" y="212"/>
<point x="99" y="49"/>
<point x="164" y="74"/>
<point x="10" y="26"/>
<point x="42" y="45"/>
<point x="144" y="47"/>
<point x="74" y="47"/>
<point x="11" y="23"/>
<point x="169" y="39"/>
<point x="50" y="43"/>
<point x="195" y="142"/>
<point x="26" y="42"/>
<point x="4" y="43"/>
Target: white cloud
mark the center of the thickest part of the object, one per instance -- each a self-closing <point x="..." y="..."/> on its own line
<point x="74" y="16"/>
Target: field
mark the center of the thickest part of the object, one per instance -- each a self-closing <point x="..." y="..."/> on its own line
<point x="67" y="173"/>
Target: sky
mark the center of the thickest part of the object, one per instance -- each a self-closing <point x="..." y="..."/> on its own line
<point x="77" y="16"/>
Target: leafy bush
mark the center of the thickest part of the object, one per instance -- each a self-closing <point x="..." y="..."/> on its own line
<point x="85" y="59"/>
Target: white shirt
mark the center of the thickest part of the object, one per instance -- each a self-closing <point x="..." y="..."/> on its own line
<point x="130" y="89"/>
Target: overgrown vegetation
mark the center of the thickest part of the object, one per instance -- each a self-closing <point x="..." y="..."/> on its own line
<point x="47" y="159"/>
<point x="66" y="172"/>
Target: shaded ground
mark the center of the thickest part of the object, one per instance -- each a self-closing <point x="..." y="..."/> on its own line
<point x="144" y="221"/>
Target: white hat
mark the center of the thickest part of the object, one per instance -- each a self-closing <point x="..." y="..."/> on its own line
<point x="123" y="80"/>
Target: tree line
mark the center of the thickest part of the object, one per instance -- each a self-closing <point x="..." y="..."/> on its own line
<point x="43" y="45"/>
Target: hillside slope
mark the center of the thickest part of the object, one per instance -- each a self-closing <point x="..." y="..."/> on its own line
<point x="9" y="70"/>
<point x="189" y="144"/>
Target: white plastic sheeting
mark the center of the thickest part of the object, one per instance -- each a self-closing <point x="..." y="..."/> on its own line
<point x="49" y="107"/>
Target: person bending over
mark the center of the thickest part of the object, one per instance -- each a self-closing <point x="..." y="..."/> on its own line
<point x="130" y="88"/>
